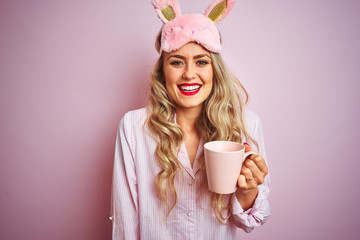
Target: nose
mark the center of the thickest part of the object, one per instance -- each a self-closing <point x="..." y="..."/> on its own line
<point x="189" y="72"/>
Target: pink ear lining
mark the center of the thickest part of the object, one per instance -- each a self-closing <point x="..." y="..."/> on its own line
<point x="229" y="5"/>
<point x="162" y="4"/>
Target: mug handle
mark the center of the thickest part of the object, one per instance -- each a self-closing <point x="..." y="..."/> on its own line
<point x="248" y="154"/>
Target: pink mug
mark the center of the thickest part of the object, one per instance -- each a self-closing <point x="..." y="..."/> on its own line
<point x="223" y="162"/>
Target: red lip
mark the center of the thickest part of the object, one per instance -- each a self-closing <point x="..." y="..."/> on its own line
<point x="189" y="84"/>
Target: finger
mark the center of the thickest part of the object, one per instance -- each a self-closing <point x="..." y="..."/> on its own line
<point x="253" y="156"/>
<point x="251" y="183"/>
<point x="255" y="171"/>
<point x="249" y="178"/>
<point x="246" y="172"/>
<point x="261" y="164"/>
<point x="242" y="182"/>
<point x="247" y="147"/>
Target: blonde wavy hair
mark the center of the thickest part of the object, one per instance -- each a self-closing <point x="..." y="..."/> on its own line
<point x="221" y="118"/>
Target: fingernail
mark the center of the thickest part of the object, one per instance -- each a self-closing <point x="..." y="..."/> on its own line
<point x="245" y="143"/>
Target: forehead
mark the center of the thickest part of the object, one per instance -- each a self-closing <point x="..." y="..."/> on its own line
<point x="188" y="50"/>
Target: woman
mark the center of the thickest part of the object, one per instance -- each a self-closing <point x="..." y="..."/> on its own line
<point x="159" y="186"/>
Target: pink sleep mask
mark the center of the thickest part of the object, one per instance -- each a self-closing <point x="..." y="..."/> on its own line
<point x="180" y="29"/>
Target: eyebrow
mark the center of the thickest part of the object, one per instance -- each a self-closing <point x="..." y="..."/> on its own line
<point x="201" y="55"/>
<point x="195" y="57"/>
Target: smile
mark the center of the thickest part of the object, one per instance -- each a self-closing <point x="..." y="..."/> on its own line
<point x="189" y="89"/>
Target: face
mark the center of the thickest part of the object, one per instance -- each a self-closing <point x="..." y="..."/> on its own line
<point x="188" y="75"/>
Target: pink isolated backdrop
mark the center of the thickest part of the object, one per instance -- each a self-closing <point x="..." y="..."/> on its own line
<point x="69" y="70"/>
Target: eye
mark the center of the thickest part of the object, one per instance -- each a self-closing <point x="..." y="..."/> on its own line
<point x="176" y="63"/>
<point x="202" y="62"/>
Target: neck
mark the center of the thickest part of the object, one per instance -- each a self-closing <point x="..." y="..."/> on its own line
<point x="186" y="118"/>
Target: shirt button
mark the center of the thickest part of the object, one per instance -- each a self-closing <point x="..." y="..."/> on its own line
<point x="188" y="213"/>
<point x="190" y="184"/>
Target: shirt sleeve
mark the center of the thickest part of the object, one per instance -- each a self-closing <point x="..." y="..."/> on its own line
<point x="260" y="212"/>
<point x="124" y="204"/>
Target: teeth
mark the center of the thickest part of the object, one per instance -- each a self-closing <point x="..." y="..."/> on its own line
<point x="190" y="88"/>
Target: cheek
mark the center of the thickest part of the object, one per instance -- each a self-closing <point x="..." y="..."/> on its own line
<point x="209" y="76"/>
<point x="170" y="82"/>
<point x="170" y="85"/>
<point x="170" y="76"/>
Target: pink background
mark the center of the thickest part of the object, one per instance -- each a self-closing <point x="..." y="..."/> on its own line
<point x="71" y="69"/>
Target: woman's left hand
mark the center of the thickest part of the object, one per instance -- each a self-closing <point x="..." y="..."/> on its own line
<point x="253" y="172"/>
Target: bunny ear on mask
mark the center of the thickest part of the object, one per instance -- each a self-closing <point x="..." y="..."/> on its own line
<point x="167" y="10"/>
<point x="179" y="30"/>
<point x="219" y="9"/>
